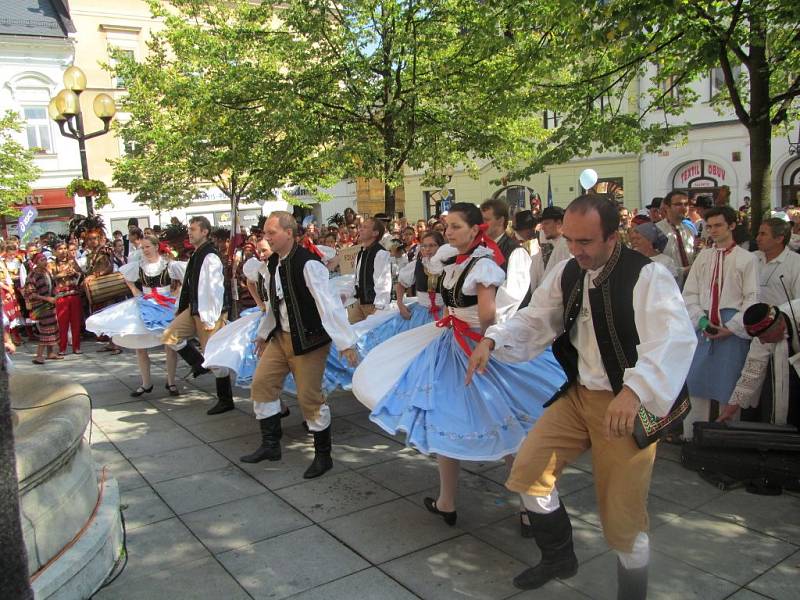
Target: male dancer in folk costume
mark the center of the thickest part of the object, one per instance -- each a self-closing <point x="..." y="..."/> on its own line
<point x="295" y="334"/>
<point x="202" y="310"/>
<point x="769" y="385"/>
<point x="515" y="291"/>
<point x="624" y="340"/>
<point x="373" y="273"/>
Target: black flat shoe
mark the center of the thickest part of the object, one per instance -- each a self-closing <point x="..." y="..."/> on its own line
<point x="449" y="517"/>
<point x="525" y="529"/>
<point x="141" y="390"/>
<point x="172" y="389"/>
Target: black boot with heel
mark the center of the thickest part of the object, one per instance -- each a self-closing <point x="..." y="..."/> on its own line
<point x="224" y="397"/>
<point x="271" y="434"/>
<point x="322" y="462"/>
<point x="553" y="535"/>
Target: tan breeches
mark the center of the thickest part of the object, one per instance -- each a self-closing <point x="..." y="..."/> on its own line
<point x="186" y="326"/>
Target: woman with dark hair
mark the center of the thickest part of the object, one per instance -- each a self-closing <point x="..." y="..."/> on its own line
<point x="414" y="382"/>
<point x="68" y="275"/>
<point x="40" y="290"/>
<point x="139" y="322"/>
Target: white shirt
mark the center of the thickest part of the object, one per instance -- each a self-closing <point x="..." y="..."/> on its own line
<point x="210" y="290"/>
<point x="559" y="253"/>
<point x="669" y="264"/>
<point x="176" y="270"/>
<point x="516" y="285"/>
<point x="672" y="250"/>
<point x="786" y="265"/>
<point x="666" y="336"/>
<point x="739" y="286"/>
<point x="329" y="306"/>
<point x="381" y="277"/>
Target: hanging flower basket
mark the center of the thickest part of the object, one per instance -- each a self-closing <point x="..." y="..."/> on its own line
<point x="89" y="188"/>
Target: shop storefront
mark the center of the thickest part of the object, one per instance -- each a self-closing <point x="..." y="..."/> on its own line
<point x="701" y="178"/>
<point x="54" y="209"/>
<point x="790" y="184"/>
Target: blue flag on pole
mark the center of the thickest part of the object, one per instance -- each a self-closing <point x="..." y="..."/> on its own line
<point x="25" y="221"/>
<point x="549" y="192"/>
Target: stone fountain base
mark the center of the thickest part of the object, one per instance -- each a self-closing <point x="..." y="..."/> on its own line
<point x="69" y="511"/>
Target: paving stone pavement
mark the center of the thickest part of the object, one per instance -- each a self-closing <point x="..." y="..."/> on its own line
<point x="202" y="525"/>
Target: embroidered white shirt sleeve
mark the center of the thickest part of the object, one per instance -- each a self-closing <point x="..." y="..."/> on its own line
<point x="329" y="305"/>
<point x="406" y="275"/>
<point x="382" y="277"/>
<point x="211" y="290"/>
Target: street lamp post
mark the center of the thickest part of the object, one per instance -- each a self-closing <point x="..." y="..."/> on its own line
<point x="65" y="109"/>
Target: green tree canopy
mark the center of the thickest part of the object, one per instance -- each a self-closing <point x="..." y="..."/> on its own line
<point x="17" y="170"/>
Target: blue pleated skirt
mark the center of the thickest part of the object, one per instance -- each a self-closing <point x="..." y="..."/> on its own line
<point x="154" y="316"/>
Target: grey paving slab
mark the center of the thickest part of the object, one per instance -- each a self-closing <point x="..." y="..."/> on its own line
<point x="161" y="546"/>
<point x="781" y="520"/>
<point x="745" y="594"/>
<point x="142" y="506"/>
<point x="720" y="547"/>
<point x="187" y="409"/>
<point x="242" y="522"/>
<point x="674" y="483"/>
<point x="179" y="463"/>
<point x="479" y="501"/>
<point x="362" y="420"/>
<point x="583" y="504"/>
<point x="143" y="442"/>
<point x="222" y="427"/>
<point x="381" y="533"/>
<point x="297" y="456"/>
<point x="405" y="475"/>
<point x="463" y="567"/>
<point x="201" y="490"/>
<point x="103" y="450"/>
<point x="291" y="563"/>
<point x="367" y="449"/>
<point x="505" y="535"/>
<point x="371" y="583"/>
<point x="669" y="579"/>
<point x="781" y="582"/>
<point x="127" y="416"/>
<point x="344" y="404"/>
<point x="553" y="590"/>
<point x="125" y="474"/>
<point x="332" y="496"/>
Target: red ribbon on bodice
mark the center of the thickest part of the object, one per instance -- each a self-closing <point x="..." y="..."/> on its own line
<point x="461" y="330"/>
<point x="433" y="309"/>
<point x="161" y="300"/>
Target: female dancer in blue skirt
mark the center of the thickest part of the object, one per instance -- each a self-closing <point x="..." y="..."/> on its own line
<point x="139" y="321"/>
<point x="414" y="382"/>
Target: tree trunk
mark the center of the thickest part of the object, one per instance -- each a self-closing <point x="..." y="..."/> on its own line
<point x="388" y="200"/>
<point x="13" y="557"/>
<point x="759" y="128"/>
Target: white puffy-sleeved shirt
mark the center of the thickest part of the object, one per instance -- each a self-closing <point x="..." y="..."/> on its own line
<point x="253" y="267"/>
<point x="211" y="290"/>
<point x="484" y="272"/>
<point x="381" y="277"/>
<point x="666" y="336"/>
<point x="669" y="264"/>
<point x="329" y="305"/>
<point x="406" y="278"/>
<point x="739" y="286"/>
<point x="516" y="285"/>
<point x="130" y="271"/>
<point x="786" y="265"/>
<point x="559" y="253"/>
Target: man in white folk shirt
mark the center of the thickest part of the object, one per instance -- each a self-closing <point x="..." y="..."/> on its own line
<point x="202" y="310"/>
<point x="515" y="291"/>
<point x="554" y="247"/>
<point x="295" y="335"/>
<point x="606" y="298"/>
<point x="778" y="266"/>
<point x="373" y="283"/>
<point x="680" y="237"/>
<point x="722" y="284"/>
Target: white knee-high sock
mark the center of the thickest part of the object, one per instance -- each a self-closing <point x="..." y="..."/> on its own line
<point x="541" y="505"/>
<point x="639" y="556"/>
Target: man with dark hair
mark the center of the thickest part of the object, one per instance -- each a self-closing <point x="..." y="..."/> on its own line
<point x="654" y="209"/>
<point x="133" y="223"/>
<point x="554" y="247"/>
<point x="680" y="237"/>
<point x="515" y="291"/>
<point x="373" y="284"/>
<point x="608" y="309"/>
<point x="202" y="309"/>
<point x="778" y="267"/>
<point x="722" y="284"/>
<point x="769" y="387"/>
<point x="305" y="314"/>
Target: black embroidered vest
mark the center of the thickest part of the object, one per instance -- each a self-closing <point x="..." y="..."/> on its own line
<point x="305" y="324"/>
<point x="423" y="282"/>
<point x="455" y="297"/>
<point x="191" y="281"/>
<point x="161" y="280"/>
<point x="365" y="278"/>
<point x="611" y="305"/>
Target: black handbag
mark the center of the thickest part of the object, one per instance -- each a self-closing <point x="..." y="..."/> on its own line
<point x="649" y="428"/>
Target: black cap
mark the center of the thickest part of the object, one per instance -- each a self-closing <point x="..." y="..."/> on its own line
<point x="759" y="317"/>
<point x="655" y="203"/>
<point x="555" y="213"/>
<point x="524" y="220"/>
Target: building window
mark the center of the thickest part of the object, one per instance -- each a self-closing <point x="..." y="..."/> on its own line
<point x="716" y="80"/>
<point x="550" y="119"/>
<point x="119" y="82"/>
<point x="37" y="129"/>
